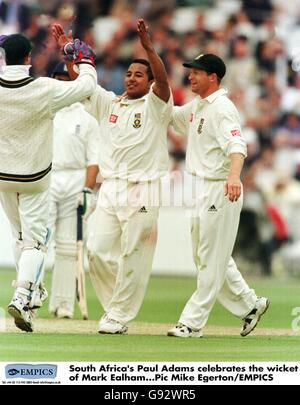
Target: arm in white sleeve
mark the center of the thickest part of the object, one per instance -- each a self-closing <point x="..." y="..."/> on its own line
<point x="92" y="146"/>
<point x="67" y="93"/>
<point x="100" y="102"/>
<point x="181" y="117"/>
<point x="229" y="134"/>
<point x="159" y="109"/>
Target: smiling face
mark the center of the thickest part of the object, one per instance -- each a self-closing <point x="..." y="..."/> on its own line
<point x="137" y="82"/>
<point x="203" y="83"/>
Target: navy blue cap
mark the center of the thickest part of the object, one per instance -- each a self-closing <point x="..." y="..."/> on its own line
<point x="209" y="62"/>
<point x="60" y="69"/>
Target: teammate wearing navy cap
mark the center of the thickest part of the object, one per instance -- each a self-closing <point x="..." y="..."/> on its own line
<point x="215" y="155"/>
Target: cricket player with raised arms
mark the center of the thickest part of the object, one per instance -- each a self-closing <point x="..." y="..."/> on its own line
<point x="133" y="156"/>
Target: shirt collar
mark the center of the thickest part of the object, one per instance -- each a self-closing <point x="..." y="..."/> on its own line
<point x="128" y="101"/>
<point x="15" y="72"/>
<point x="212" y="97"/>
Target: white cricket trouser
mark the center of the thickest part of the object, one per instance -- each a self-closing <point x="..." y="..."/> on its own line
<point x="65" y="187"/>
<point x="28" y="215"/>
<point x="121" y="246"/>
<point x="213" y="232"/>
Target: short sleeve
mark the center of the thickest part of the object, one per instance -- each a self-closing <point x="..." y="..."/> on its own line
<point x="66" y="93"/>
<point x="160" y="109"/>
<point x="181" y="118"/>
<point x="92" y="152"/>
<point x="100" y="102"/>
<point x="229" y="133"/>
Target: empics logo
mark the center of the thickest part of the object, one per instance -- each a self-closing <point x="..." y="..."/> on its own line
<point x="12" y="371"/>
<point x="31" y="371"/>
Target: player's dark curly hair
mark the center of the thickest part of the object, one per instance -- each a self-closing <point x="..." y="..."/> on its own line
<point x="147" y="64"/>
<point x="17" y="48"/>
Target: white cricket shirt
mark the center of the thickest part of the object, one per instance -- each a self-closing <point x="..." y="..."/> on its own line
<point x="214" y="133"/>
<point x="75" y="139"/>
<point x="27" y="108"/>
<point x="133" y="135"/>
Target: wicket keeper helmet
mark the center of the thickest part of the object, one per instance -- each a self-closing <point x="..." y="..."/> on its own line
<point x="60" y="69"/>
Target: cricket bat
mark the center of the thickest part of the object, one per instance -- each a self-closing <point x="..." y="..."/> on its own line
<point x="80" y="275"/>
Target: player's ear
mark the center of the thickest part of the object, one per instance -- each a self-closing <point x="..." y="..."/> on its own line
<point x="215" y="77"/>
<point x="27" y="59"/>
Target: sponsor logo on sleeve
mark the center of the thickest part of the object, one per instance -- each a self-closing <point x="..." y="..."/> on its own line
<point x="235" y="132"/>
<point x="113" y="118"/>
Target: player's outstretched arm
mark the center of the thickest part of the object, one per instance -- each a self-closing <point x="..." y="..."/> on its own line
<point x="161" y="86"/>
<point x="62" y="39"/>
<point x="60" y="36"/>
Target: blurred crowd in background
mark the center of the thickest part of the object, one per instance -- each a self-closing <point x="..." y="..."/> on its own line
<point x="259" y="41"/>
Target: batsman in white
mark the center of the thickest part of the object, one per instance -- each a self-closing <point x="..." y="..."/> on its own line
<point x="74" y="172"/>
<point x="27" y="108"/>
<point x="133" y="156"/>
<point x="215" y="155"/>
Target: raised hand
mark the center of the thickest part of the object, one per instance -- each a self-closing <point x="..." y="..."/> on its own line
<point x="79" y="51"/>
<point x="74" y="51"/>
<point x="161" y="85"/>
<point x="143" y="33"/>
<point x="60" y="36"/>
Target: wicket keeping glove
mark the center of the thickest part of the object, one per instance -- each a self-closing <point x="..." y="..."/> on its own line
<point x="79" y="52"/>
<point x="87" y="200"/>
<point x="2" y="39"/>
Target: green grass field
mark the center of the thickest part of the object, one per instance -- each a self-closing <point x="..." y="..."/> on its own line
<point x="273" y="340"/>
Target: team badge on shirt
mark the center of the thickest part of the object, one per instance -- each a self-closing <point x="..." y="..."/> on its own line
<point x="137" y="120"/>
<point x="199" y="129"/>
